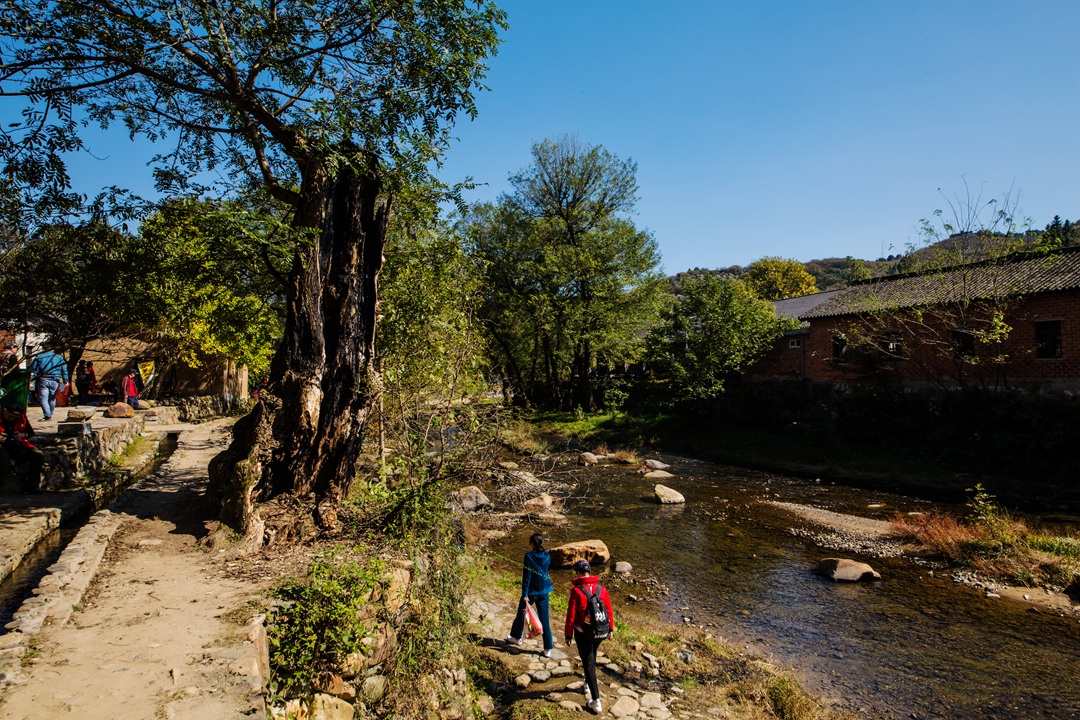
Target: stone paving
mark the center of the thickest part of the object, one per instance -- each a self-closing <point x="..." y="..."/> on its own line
<point x="26" y="520"/>
<point x="559" y="679"/>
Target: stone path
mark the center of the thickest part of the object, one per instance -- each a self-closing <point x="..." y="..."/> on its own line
<point x="147" y="633"/>
<point x="559" y="679"/>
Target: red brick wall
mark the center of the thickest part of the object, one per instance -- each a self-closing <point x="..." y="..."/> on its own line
<point x="927" y="341"/>
<point x="782" y="362"/>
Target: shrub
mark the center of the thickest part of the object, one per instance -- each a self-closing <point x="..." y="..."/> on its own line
<point x="319" y="623"/>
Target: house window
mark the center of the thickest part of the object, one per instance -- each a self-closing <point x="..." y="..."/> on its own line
<point x="892" y="346"/>
<point x="839" y="349"/>
<point x="963" y="343"/>
<point x="1048" y="339"/>
<point x="794" y="343"/>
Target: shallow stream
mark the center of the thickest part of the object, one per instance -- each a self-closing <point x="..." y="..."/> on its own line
<point x="914" y="645"/>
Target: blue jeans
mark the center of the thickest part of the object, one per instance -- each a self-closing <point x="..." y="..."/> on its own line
<point x="541" y="603"/>
<point x="46" y="390"/>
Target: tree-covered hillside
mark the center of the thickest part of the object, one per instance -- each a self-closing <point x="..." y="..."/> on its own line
<point x="955" y="249"/>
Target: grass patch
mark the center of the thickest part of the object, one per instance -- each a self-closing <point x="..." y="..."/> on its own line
<point x="584" y="427"/>
<point x="519" y="436"/>
<point x="537" y="709"/>
<point x="994" y="543"/>
<point x="138" y="446"/>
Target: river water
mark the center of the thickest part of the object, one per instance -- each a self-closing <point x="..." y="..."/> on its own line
<point x="914" y="645"/>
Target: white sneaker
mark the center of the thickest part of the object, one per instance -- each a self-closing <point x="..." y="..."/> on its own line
<point x="546" y="653"/>
<point x="595" y="706"/>
<point x="511" y="640"/>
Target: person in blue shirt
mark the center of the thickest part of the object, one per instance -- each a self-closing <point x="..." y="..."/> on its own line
<point x="535" y="588"/>
<point x="51" y="373"/>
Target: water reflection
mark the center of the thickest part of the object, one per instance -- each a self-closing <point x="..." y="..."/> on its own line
<point x="913" y="645"/>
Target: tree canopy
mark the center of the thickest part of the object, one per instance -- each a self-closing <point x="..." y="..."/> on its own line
<point x="714" y="329"/>
<point x="571" y="280"/>
<point x="775" y="278"/>
<point x="330" y="106"/>
<point x="265" y="92"/>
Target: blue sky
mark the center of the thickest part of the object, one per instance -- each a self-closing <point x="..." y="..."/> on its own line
<point x="801" y="129"/>
<point x="804" y="129"/>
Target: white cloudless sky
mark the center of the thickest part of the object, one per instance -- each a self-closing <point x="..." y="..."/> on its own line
<point x="800" y="128"/>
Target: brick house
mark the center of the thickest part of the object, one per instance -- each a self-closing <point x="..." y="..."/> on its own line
<point x="1006" y="322"/>
<point x="789" y="358"/>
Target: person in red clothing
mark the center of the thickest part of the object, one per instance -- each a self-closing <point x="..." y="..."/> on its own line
<point x="580" y="631"/>
<point x="15" y="447"/>
<point x="130" y="389"/>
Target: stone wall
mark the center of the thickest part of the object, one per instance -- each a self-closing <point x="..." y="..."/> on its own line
<point x="208" y="406"/>
<point x="69" y="459"/>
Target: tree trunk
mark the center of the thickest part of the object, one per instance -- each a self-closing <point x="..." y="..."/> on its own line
<point x="304" y="435"/>
<point x="583" y="390"/>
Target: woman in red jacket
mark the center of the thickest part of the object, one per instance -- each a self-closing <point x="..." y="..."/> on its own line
<point x="579" y="630"/>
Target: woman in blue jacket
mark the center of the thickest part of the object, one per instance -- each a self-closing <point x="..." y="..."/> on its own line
<point x="535" y="587"/>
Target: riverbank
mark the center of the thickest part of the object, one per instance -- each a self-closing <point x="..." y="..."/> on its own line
<point x="877" y="538"/>
<point x="726" y="562"/>
<point x="648" y="670"/>
<point x="869" y="453"/>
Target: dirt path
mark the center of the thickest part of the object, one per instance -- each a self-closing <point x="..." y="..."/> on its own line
<point x="159" y="633"/>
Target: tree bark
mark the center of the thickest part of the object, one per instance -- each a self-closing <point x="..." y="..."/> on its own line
<point x="304" y="435"/>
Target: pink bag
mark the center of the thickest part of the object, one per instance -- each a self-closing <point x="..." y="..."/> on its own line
<point x="532" y="621"/>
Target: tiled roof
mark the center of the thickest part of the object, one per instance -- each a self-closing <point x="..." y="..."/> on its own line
<point x="797" y="306"/>
<point x="1021" y="274"/>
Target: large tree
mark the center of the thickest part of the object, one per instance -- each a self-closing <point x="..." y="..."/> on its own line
<point x="328" y="105"/>
<point x="714" y="329"/>
<point x="571" y="279"/>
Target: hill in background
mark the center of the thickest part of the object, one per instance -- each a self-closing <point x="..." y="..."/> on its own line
<point x="836" y="273"/>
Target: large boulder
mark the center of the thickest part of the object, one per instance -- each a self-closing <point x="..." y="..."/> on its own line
<point x="667" y="496"/>
<point x="844" y="570"/>
<point x="541" y="503"/>
<point x="587" y="459"/>
<point x="120" y="410"/>
<point x="656" y="465"/>
<point x="595" y="551"/>
<point x="470" y="498"/>
<point x="80" y="415"/>
<point x="328" y="707"/>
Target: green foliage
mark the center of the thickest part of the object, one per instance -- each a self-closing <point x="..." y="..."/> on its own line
<point x="252" y="90"/>
<point x="1058" y="234"/>
<point x="59" y="279"/>
<point x="1065" y="547"/>
<point x="715" y="328"/>
<point x="774" y="278"/>
<point x="318" y="624"/>
<point x="429" y="342"/>
<point x="193" y="282"/>
<point x="571" y="282"/>
<point x="859" y="270"/>
<point x="204" y="279"/>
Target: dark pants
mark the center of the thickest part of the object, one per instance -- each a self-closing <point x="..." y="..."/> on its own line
<point x="83" y="386"/>
<point x="541" y="603"/>
<point x="13" y="454"/>
<point x="586" y="647"/>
